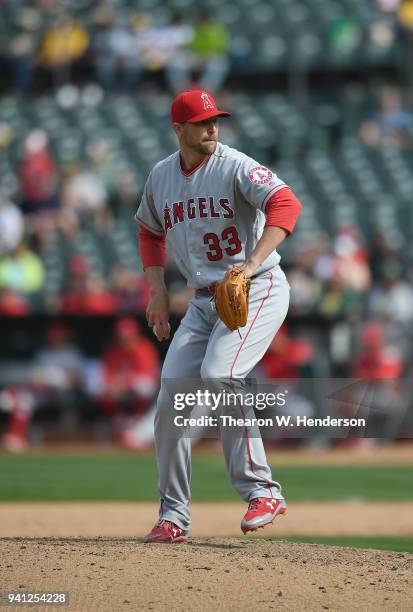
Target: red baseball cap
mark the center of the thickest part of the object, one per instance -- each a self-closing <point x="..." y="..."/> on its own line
<point x="193" y="106"/>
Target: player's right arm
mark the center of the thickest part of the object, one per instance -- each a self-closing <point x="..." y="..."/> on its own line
<point x="153" y="256"/>
<point x="157" y="311"/>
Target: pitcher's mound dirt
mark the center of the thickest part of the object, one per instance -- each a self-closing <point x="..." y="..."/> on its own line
<point x="208" y="574"/>
<point x="131" y="519"/>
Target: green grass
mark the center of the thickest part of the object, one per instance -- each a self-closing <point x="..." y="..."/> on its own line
<point x="59" y="477"/>
<point x="381" y="543"/>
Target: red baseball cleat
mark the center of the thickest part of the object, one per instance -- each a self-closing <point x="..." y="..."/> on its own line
<point x="261" y="512"/>
<point x="166" y="532"/>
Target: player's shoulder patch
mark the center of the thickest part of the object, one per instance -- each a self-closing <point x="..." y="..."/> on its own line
<point x="259" y="175"/>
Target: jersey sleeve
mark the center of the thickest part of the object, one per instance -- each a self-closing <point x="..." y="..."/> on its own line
<point x="282" y="210"/>
<point x="256" y="183"/>
<point x="147" y="214"/>
<point x="152" y="248"/>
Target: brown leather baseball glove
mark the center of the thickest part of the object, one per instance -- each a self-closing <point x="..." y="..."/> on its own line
<point x="231" y="298"/>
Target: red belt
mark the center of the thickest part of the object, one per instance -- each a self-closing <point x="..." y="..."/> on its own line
<point x="208" y="288"/>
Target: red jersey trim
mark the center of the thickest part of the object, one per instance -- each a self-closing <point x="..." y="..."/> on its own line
<point x="189" y="171"/>
<point x="273" y="191"/>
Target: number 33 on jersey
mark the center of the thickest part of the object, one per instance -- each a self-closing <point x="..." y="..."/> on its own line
<point x="213" y="217"/>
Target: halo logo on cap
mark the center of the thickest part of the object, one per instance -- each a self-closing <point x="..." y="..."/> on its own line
<point x="207" y="102"/>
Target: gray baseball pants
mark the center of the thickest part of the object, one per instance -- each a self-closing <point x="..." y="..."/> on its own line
<point x="203" y="347"/>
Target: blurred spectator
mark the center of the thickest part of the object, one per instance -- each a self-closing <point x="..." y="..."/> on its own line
<point x="11" y="225"/>
<point x="101" y="163"/>
<point x="56" y="375"/>
<point x="287" y="357"/>
<point x="58" y="366"/>
<point x="84" y="190"/>
<point x="376" y="360"/>
<point x="96" y="187"/>
<point x="206" y="54"/>
<point x="126" y="188"/>
<point x="382" y="31"/>
<point x="311" y="263"/>
<point x="130" y="378"/>
<point x="315" y="256"/>
<point x="381" y="249"/>
<point x="131" y="290"/>
<point x="38" y="175"/>
<point x="63" y="43"/>
<point x="22" y="270"/>
<point x="88" y="295"/>
<point x="350" y="262"/>
<point x="392" y="300"/>
<point x="329" y="279"/>
<point x="305" y="290"/>
<point x="380" y="398"/>
<point x="337" y="300"/>
<point x="405" y="14"/>
<point x="158" y="45"/>
<point x="22" y="49"/>
<point x="392" y="125"/>
<point x="12" y="304"/>
<point x="115" y="51"/>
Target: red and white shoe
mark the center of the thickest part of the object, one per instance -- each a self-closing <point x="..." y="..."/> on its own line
<point x="261" y="512"/>
<point x="166" y="532"/>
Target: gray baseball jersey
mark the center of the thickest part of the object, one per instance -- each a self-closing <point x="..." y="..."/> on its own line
<point x="212" y="218"/>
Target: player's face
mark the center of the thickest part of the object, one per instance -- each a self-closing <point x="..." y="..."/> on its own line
<point x="200" y="137"/>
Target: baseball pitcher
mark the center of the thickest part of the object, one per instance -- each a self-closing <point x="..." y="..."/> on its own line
<point x="223" y="216"/>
